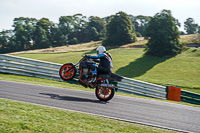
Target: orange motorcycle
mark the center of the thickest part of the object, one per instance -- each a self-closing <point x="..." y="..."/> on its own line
<point x="105" y="88"/>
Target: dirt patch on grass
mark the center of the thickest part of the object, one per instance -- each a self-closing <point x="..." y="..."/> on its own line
<point x="64" y="49"/>
<point x="141" y="41"/>
<point x="93" y="45"/>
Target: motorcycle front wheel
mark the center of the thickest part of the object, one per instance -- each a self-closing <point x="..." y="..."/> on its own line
<point x="65" y="74"/>
<point x="104" y="93"/>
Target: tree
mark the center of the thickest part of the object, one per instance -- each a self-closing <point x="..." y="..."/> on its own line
<point x="7" y="43"/>
<point x="45" y="24"/>
<point x="79" y="22"/>
<point x="98" y="24"/>
<point x="108" y="18"/>
<point x="190" y="26"/>
<point x="119" y="31"/>
<point x="90" y="34"/>
<point x="42" y="34"/>
<point x="164" y="35"/>
<point x="20" y="35"/>
<point x="41" y="38"/>
<point x="72" y="27"/>
<point x="23" y="32"/>
<point x="57" y="37"/>
<point x="66" y="26"/>
<point x="140" y="22"/>
<point x="198" y="29"/>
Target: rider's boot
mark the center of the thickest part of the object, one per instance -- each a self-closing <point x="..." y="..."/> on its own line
<point x="94" y="78"/>
<point x="94" y="75"/>
<point x="94" y="72"/>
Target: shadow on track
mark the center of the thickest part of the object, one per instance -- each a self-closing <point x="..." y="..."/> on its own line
<point x="70" y="98"/>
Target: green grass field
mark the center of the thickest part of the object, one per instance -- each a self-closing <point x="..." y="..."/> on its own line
<point x="28" y="118"/>
<point x="182" y="70"/>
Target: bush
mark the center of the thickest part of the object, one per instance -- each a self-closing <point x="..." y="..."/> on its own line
<point x="119" y="31"/>
<point x="138" y="34"/>
<point x="73" y="41"/>
<point x="164" y="35"/>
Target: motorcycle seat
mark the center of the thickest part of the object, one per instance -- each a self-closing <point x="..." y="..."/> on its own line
<point x="110" y="76"/>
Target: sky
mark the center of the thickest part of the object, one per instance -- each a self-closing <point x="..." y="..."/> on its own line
<point x="53" y="9"/>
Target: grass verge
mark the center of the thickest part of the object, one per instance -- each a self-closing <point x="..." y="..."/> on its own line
<point x="23" y="117"/>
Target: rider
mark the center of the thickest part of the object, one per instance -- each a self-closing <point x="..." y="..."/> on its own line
<point x="105" y="62"/>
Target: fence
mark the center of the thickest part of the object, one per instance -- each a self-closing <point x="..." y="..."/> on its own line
<point x="137" y="87"/>
<point x="42" y="69"/>
<point x="29" y="67"/>
<point x="190" y="97"/>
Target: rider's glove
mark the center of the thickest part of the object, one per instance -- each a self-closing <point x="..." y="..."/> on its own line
<point x="86" y="56"/>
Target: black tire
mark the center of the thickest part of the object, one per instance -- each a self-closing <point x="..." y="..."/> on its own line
<point x="69" y="75"/>
<point x="104" y="94"/>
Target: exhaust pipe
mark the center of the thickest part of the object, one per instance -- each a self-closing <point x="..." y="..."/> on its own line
<point x="107" y="85"/>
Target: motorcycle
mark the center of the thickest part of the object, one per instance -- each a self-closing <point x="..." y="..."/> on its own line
<point x="105" y="88"/>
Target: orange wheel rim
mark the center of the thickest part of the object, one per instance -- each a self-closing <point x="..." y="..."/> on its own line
<point x="104" y="93"/>
<point x="69" y="74"/>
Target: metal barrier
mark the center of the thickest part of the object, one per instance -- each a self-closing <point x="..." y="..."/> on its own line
<point x="141" y="88"/>
<point x="29" y="67"/>
<point x="35" y="68"/>
<point x="190" y="97"/>
<point x="42" y="69"/>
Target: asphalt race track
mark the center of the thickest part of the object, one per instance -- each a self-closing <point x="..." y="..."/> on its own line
<point x="144" y="111"/>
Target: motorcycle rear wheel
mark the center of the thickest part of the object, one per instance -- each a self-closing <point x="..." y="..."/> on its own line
<point x="67" y="75"/>
<point x="104" y="94"/>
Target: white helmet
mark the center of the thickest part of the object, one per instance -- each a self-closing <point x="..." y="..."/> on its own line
<point x="101" y="49"/>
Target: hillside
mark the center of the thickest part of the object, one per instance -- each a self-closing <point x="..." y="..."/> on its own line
<point x="182" y="70"/>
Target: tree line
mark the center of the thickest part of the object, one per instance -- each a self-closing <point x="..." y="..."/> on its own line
<point x="114" y="30"/>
